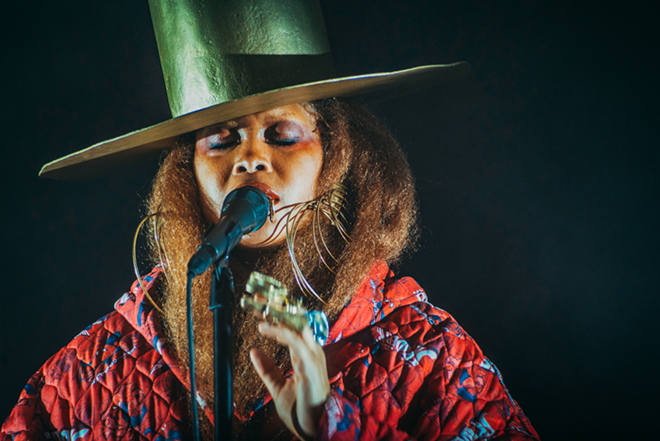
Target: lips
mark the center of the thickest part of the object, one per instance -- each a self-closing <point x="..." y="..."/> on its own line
<point x="265" y="188"/>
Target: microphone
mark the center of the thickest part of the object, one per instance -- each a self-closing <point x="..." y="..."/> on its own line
<point x="244" y="211"/>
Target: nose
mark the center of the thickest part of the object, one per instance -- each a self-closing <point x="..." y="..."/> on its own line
<point x="253" y="156"/>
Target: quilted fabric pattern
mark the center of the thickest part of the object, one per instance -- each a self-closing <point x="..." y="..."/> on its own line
<point x="111" y="382"/>
<point x="399" y="368"/>
<point x="404" y="369"/>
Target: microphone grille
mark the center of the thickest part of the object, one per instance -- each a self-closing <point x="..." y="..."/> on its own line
<point x="257" y="200"/>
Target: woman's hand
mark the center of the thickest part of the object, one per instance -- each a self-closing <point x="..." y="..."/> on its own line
<point x="308" y="388"/>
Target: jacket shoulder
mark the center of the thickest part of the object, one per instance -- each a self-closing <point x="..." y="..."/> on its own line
<point x="96" y="383"/>
<point x="418" y="370"/>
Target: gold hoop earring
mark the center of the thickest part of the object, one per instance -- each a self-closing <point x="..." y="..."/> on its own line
<point x="158" y="223"/>
<point x="330" y="205"/>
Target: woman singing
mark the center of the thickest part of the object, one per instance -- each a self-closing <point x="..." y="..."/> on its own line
<point x="256" y="103"/>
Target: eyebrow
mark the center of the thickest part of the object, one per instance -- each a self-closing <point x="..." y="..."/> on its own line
<point x="270" y="119"/>
<point x="238" y="123"/>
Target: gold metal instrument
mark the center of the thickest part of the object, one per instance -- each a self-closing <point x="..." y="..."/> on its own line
<point x="269" y="298"/>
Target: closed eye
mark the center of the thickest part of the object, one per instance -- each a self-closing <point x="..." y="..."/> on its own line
<point x="221" y="145"/>
<point x="284" y="133"/>
<point x="224" y="139"/>
<point x="283" y="142"/>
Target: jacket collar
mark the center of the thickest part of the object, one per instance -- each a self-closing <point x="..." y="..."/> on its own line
<point x="378" y="295"/>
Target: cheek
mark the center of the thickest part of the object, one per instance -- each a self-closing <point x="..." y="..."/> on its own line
<point x="305" y="170"/>
<point x="211" y="190"/>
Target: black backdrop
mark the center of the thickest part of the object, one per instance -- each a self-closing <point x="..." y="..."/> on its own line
<point x="537" y="176"/>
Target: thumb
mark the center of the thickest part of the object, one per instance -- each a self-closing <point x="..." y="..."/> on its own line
<point x="269" y="373"/>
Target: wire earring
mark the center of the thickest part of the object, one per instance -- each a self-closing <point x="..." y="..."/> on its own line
<point x="158" y="222"/>
<point x="330" y="205"/>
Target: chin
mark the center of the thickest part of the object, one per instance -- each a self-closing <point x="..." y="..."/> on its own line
<point x="259" y="239"/>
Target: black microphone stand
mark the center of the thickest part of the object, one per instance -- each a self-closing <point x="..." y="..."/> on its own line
<point x="222" y="305"/>
<point x="245" y="209"/>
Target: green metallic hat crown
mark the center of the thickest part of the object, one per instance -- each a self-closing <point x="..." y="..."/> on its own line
<point x="224" y="59"/>
<point x="215" y="51"/>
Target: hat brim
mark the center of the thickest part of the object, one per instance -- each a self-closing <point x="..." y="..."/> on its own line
<point x="114" y="152"/>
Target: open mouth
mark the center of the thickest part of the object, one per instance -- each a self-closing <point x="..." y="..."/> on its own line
<point x="265" y="188"/>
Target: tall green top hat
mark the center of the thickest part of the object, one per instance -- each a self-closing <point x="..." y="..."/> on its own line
<point x="223" y="59"/>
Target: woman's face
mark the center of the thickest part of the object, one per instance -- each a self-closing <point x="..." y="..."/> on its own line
<point x="278" y="151"/>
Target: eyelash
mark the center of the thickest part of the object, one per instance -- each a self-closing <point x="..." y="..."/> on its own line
<point x="283" y="142"/>
<point x="277" y="142"/>
<point x="221" y="146"/>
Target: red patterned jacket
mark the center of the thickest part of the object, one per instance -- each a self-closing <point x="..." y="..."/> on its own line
<point x="399" y="367"/>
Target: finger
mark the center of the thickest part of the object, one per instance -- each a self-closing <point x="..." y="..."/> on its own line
<point x="302" y="347"/>
<point x="308" y="336"/>
<point x="268" y="372"/>
<point x="283" y="334"/>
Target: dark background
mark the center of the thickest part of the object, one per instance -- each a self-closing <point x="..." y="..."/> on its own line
<point x="537" y="177"/>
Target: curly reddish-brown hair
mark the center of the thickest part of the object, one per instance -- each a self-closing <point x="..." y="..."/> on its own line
<point x="361" y="154"/>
